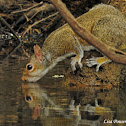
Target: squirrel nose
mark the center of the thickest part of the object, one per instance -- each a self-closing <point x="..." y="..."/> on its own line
<point x="24" y="78"/>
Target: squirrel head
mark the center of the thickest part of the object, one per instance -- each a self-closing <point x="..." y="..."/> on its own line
<point x="34" y="68"/>
<point x="33" y="96"/>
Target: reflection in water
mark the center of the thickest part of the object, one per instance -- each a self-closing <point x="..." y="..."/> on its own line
<point x="52" y="114"/>
<point x="48" y="103"/>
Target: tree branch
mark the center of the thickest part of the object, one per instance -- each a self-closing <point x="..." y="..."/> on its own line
<point x="112" y="54"/>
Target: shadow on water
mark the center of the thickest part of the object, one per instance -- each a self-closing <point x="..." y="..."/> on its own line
<point x="47" y="103"/>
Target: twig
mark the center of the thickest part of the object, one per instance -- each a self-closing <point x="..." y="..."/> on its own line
<point x="31" y="13"/>
<point x="18" y="38"/>
<point x="90" y="38"/>
<point x="24" y="10"/>
<point x="4" y="22"/>
<point x="51" y="23"/>
<point x="39" y="22"/>
<point x="6" y="15"/>
<point x="109" y="1"/>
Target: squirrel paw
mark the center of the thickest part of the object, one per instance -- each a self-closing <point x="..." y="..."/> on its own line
<point x="97" y="61"/>
<point x="75" y="62"/>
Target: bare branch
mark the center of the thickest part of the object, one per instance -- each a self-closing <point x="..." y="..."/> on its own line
<point x="27" y="9"/>
<point x="31" y="13"/>
<point x="5" y="23"/>
<point x="37" y="22"/>
<point x="14" y="33"/>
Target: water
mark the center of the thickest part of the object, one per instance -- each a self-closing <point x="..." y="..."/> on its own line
<point x="47" y="103"/>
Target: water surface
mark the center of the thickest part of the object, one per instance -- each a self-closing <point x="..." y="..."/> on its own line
<point x="47" y="103"/>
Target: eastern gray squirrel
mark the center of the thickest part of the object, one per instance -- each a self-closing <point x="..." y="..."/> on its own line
<point x="104" y="21"/>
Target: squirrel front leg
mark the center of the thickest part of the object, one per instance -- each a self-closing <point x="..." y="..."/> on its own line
<point x="79" y="55"/>
<point x="98" y="61"/>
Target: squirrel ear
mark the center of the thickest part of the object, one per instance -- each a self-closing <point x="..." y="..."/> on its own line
<point x="38" y="53"/>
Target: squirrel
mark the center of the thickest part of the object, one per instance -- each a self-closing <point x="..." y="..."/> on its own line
<point x="104" y="21"/>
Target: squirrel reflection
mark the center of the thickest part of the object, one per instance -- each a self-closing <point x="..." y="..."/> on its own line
<point x="51" y="114"/>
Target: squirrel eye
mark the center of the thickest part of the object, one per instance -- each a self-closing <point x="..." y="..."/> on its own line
<point x="28" y="98"/>
<point x="29" y="67"/>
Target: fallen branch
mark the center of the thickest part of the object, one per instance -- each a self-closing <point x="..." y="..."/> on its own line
<point x="37" y="22"/>
<point x="31" y="13"/>
<point x="18" y="38"/>
<point x="27" y="9"/>
<point x="5" y="23"/>
<point x="52" y="22"/>
<point x="6" y="15"/>
<point x="112" y="54"/>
